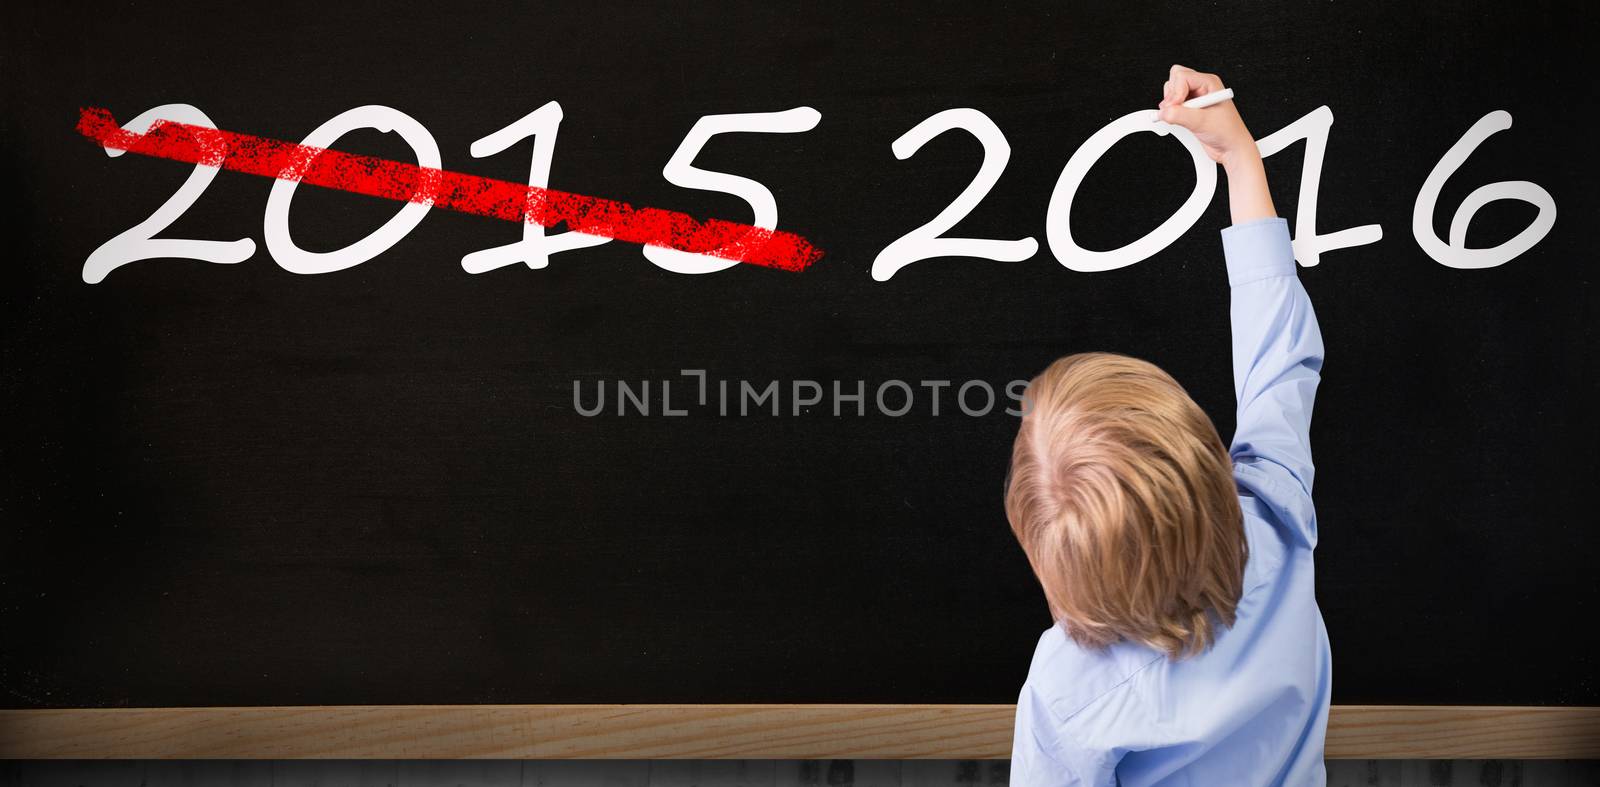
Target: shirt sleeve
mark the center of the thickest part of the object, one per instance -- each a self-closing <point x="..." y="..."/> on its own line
<point x="1277" y="363"/>
<point x="1042" y="757"/>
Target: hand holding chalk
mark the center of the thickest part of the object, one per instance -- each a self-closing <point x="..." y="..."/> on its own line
<point x="1199" y="103"/>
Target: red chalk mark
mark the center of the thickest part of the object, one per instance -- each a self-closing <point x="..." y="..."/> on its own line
<point x="455" y="191"/>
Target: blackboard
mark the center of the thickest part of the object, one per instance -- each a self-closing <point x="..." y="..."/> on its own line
<point x="239" y="485"/>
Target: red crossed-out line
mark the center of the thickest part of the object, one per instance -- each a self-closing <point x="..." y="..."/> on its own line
<point x="501" y="199"/>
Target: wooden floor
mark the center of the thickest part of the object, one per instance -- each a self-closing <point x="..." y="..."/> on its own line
<point x="711" y="773"/>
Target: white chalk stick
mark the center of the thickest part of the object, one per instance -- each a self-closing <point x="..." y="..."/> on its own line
<point x="1201" y="102"/>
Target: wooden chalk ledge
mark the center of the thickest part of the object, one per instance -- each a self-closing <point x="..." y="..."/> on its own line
<point x="713" y="732"/>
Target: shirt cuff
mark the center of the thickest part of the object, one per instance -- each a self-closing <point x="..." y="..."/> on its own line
<point x="1258" y="250"/>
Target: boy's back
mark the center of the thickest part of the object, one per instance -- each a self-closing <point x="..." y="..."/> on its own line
<point x="1252" y="708"/>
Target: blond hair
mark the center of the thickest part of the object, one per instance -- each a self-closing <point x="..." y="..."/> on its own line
<point x="1121" y="493"/>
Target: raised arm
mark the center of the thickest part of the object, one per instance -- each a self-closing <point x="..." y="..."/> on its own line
<point x="1277" y="346"/>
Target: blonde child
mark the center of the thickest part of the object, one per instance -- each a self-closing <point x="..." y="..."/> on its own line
<point x="1188" y="648"/>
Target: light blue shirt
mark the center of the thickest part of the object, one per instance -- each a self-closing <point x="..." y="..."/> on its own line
<point x="1253" y="709"/>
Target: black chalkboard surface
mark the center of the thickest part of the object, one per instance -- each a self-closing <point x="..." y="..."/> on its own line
<point x="240" y="485"/>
